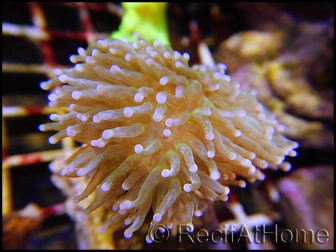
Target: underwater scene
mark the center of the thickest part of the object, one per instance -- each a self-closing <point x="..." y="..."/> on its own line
<point x="167" y="126"/>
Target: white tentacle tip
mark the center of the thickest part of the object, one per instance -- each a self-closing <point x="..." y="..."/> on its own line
<point x="105" y="187"/>
<point x="128" y="233"/>
<point x="128" y="112"/>
<point x="138" y="97"/>
<point x="211" y="154"/>
<point x="193" y="168"/>
<point x="42" y="127"/>
<point x="165" y="173"/>
<point x="166" y="133"/>
<point x="79" y="68"/>
<point x="187" y="187"/>
<point x="169" y="122"/>
<point x="198" y="213"/>
<point x="115" y="69"/>
<point x="63" y="78"/>
<point x="207" y="112"/>
<point x="126" y="205"/>
<point x="138" y="148"/>
<point x="52" y="140"/>
<point x="232" y="156"/>
<point x="210" y="136"/>
<point x="76" y="95"/>
<point x="157" y="217"/>
<point x="164" y="80"/>
<point x="190" y="227"/>
<point x="242" y="184"/>
<point x="161" y="97"/>
<point x="215" y="175"/>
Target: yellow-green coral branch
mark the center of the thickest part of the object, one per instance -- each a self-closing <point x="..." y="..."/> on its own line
<point x="146" y="19"/>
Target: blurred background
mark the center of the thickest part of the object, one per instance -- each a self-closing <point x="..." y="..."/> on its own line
<point x="284" y="51"/>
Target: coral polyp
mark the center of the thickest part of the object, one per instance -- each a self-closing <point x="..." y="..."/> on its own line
<point x="157" y="133"/>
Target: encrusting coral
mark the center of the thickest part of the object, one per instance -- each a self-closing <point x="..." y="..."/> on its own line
<point x="288" y="67"/>
<point x="159" y="134"/>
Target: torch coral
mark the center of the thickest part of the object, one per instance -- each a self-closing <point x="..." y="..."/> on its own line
<point x="158" y="133"/>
